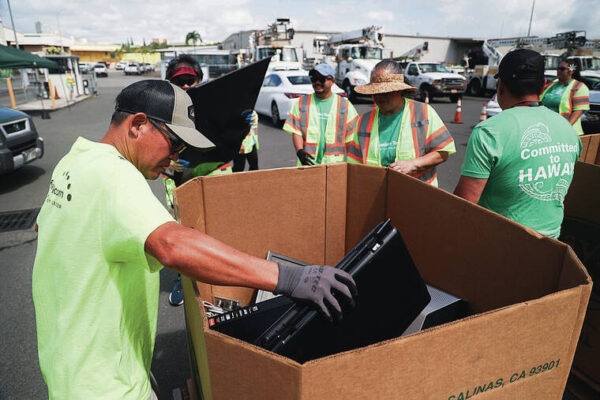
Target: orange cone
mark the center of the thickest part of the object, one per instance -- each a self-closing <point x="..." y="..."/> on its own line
<point x="458" y="115"/>
<point x="56" y="96"/>
<point x="483" y="116"/>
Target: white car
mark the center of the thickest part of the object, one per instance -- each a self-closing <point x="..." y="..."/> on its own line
<point x="121" y="65"/>
<point x="100" y="70"/>
<point x="493" y="108"/>
<point x="133" y="69"/>
<point x="85" y="67"/>
<point x="279" y="91"/>
<point x="148" y="67"/>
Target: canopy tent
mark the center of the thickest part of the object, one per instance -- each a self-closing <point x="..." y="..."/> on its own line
<point x="14" y="58"/>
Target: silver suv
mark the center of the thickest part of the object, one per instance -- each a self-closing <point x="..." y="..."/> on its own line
<point x="19" y="141"/>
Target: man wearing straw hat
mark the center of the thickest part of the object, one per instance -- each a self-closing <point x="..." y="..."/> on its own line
<point x="401" y="133"/>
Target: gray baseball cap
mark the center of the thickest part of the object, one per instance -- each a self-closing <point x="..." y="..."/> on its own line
<point x="325" y="70"/>
<point x="164" y="102"/>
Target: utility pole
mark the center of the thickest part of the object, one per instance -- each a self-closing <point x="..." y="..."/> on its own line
<point x="59" y="34"/>
<point x="531" y="18"/>
<point x="13" y="24"/>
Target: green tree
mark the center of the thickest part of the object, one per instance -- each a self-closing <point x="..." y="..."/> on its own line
<point x="192" y="36"/>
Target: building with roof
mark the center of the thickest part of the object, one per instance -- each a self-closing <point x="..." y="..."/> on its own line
<point x="94" y="52"/>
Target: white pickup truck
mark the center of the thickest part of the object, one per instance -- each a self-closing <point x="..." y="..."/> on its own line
<point x="434" y="80"/>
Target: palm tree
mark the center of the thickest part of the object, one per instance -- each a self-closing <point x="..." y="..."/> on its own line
<point x="194" y="37"/>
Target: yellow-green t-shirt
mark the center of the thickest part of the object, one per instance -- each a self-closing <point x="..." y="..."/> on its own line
<point x="95" y="290"/>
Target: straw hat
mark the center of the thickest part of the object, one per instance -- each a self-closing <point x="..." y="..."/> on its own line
<point x="384" y="83"/>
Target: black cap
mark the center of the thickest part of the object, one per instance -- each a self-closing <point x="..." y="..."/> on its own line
<point x="164" y="102"/>
<point x="521" y="65"/>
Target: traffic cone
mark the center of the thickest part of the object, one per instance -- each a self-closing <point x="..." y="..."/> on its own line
<point x="483" y="116"/>
<point x="56" y="96"/>
<point x="458" y="115"/>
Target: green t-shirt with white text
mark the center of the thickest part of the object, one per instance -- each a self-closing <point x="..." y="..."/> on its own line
<point x="528" y="155"/>
<point x="389" y="126"/>
<point x="553" y="97"/>
<point x="95" y="290"/>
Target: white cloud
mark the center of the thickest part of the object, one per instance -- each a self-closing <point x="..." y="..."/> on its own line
<point x="380" y="15"/>
<point x="116" y="21"/>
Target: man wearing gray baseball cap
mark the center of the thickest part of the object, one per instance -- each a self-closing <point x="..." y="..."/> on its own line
<point x="103" y="236"/>
<point x="323" y="125"/>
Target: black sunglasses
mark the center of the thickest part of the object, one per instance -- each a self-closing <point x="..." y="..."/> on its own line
<point x="177" y="144"/>
<point x="319" y="78"/>
<point x="183" y="80"/>
<point x="562" y="68"/>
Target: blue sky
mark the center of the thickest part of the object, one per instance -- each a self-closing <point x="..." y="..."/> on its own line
<point x="108" y="21"/>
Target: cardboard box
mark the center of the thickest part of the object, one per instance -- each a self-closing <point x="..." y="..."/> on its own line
<point x="527" y="293"/>
<point x="590" y="149"/>
<point x="581" y="230"/>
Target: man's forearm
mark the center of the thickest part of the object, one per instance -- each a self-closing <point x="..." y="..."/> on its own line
<point x="431" y="159"/>
<point x="298" y="142"/>
<point x="209" y="260"/>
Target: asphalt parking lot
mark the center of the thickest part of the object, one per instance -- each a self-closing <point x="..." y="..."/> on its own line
<point x="26" y="188"/>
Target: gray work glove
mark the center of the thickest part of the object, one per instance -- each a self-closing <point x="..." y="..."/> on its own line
<point x="316" y="284"/>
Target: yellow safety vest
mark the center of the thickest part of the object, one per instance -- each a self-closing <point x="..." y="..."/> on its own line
<point x="341" y="142"/>
<point x="567" y="102"/>
<point x="250" y="140"/>
<point x="417" y="136"/>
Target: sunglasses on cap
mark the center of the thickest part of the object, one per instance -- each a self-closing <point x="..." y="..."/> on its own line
<point x="182" y="80"/>
<point x="177" y="144"/>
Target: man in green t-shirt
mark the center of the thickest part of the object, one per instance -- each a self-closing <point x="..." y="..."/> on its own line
<point x="103" y="236"/>
<point x="520" y="163"/>
<point x="323" y="124"/>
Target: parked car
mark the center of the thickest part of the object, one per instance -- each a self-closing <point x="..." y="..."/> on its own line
<point x="100" y="70"/>
<point x="121" y="65"/>
<point x="280" y="89"/>
<point x="19" y="141"/>
<point x="133" y="69"/>
<point x="148" y="67"/>
<point x="85" y="67"/>
<point x="492" y="107"/>
<point x="590" y="120"/>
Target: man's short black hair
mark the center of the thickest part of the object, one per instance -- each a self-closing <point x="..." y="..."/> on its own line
<point x="184" y="59"/>
<point x="522" y="72"/>
<point x="118" y="117"/>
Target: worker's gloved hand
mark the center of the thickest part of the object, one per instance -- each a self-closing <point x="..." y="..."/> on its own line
<point x="316" y="284"/>
<point x="305" y="158"/>
<point x="180" y="165"/>
<point x="250" y="117"/>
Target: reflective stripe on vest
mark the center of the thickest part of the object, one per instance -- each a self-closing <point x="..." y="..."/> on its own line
<point x="304" y="113"/>
<point x="419" y="123"/>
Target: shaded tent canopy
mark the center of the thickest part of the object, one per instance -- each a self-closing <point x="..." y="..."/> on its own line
<point x="14" y="58"/>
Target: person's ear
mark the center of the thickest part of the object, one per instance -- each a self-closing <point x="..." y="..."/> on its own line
<point x="137" y="123"/>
